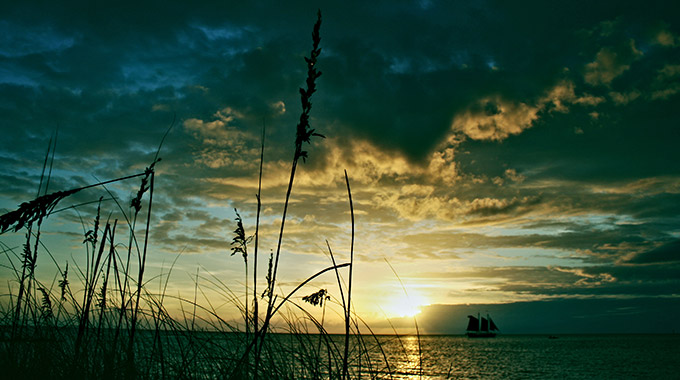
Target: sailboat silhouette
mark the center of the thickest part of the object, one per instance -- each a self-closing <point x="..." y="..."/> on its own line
<point x="480" y="327"/>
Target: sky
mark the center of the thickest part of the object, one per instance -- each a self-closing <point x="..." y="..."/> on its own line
<point x="516" y="158"/>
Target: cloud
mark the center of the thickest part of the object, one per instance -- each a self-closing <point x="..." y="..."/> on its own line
<point x="512" y="175"/>
<point x="442" y="165"/>
<point x="610" y="63"/>
<point x="666" y="38"/>
<point x="418" y="202"/>
<point x="221" y="143"/>
<point x="538" y="282"/>
<point x="587" y="279"/>
<point x="474" y="140"/>
<point x="667" y="82"/>
<point x="32" y="39"/>
<point x="669" y="71"/>
<point x="563" y="94"/>
<point x="622" y="99"/>
<point x="492" y="206"/>
<point x="495" y="119"/>
<point x="666" y="253"/>
<point x="652" y="186"/>
<point x="666" y="92"/>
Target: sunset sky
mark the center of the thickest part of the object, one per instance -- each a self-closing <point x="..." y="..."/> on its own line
<point x="514" y="153"/>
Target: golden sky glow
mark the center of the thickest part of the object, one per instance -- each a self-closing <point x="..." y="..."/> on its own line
<point x="498" y="153"/>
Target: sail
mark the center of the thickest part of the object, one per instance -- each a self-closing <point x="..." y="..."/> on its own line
<point x="492" y="326"/>
<point x="485" y="324"/>
<point x="473" y="325"/>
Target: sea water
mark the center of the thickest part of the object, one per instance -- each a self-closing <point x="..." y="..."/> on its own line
<point x="531" y="357"/>
<point x="449" y="357"/>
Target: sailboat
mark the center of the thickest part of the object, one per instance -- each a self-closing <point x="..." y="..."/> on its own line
<point x="480" y="327"/>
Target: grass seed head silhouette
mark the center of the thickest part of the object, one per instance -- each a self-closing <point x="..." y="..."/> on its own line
<point x="317" y="298"/>
<point x="304" y="131"/>
<point x="91" y="235"/>
<point x="63" y="283"/>
<point x="269" y="274"/>
<point x="101" y="297"/>
<point x="136" y="202"/>
<point x="46" y="306"/>
<point x="29" y="212"/>
<point x="28" y="261"/>
<point x="95" y="337"/>
<point x="240" y="241"/>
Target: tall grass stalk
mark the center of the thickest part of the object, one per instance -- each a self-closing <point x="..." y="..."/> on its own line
<point x="102" y="303"/>
<point x="303" y="135"/>
<point x="92" y="275"/>
<point x="256" y="315"/>
<point x="119" y="328"/>
<point x="142" y="260"/>
<point x="240" y="245"/>
<point x="42" y="174"/>
<point x="345" y="373"/>
<point x="30" y="258"/>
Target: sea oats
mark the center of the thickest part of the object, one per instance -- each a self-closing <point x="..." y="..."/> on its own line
<point x="317" y="298"/>
<point x="46" y="306"/>
<point x="29" y="212"/>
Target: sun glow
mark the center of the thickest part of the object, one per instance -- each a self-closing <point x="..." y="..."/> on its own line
<point x="403" y="305"/>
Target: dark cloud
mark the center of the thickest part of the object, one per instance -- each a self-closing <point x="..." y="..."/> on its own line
<point x="588" y="239"/>
<point x="667" y="253"/>
<point x="571" y="281"/>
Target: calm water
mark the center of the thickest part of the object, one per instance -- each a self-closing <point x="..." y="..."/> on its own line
<point x="535" y="357"/>
<point x="458" y="357"/>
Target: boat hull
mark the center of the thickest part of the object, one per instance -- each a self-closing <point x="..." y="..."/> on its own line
<point x="481" y="334"/>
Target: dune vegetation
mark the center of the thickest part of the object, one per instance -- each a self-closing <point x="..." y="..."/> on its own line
<point x="103" y="317"/>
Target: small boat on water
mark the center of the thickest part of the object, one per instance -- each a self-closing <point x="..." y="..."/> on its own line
<point x="480" y="327"/>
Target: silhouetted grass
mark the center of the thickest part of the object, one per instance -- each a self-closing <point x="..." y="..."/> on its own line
<point x="99" y="319"/>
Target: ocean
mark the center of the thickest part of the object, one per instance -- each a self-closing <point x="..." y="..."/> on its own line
<point x="564" y="357"/>
<point x="533" y="357"/>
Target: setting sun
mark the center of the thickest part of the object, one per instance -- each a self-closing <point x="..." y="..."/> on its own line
<point x="379" y="189"/>
<point x="402" y="305"/>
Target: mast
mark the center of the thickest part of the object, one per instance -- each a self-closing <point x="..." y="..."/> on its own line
<point x="479" y="322"/>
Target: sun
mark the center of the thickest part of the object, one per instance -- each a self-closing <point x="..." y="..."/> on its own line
<point x="401" y="306"/>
